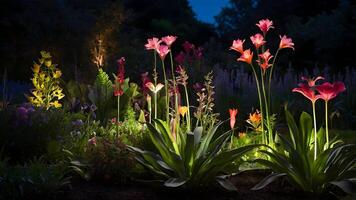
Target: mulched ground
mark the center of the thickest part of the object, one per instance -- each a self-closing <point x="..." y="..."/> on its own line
<point x="243" y="182"/>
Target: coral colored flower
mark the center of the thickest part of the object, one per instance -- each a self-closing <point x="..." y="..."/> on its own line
<point x="169" y="39"/>
<point x="258" y="40"/>
<point x="246" y="56"/>
<point x="154" y="88"/>
<point x="152" y="43"/>
<point x="286" y="42"/>
<point x="183" y="110"/>
<point x="265" y="25"/>
<point x="233" y="113"/>
<point x="237" y="45"/>
<point x="255" y="117"/>
<point x="312" y="81"/>
<point x="308" y="92"/>
<point x="265" y="57"/>
<point x="180" y="58"/>
<point x="187" y="46"/>
<point x="329" y="91"/>
<point x="162" y="51"/>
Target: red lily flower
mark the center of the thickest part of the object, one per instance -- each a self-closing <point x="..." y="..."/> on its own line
<point x="286" y="42"/>
<point x="265" y="57"/>
<point x="246" y="56"/>
<point x="308" y="92"/>
<point x="329" y="91"/>
<point x="152" y="43"/>
<point x="312" y="81"/>
<point x="162" y="51"/>
<point x="265" y="25"/>
<point x="233" y="113"/>
<point x="258" y="40"/>
<point x="169" y="39"/>
<point x="237" y="45"/>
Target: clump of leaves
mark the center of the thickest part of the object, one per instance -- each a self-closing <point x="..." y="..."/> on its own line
<point x="46" y="81"/>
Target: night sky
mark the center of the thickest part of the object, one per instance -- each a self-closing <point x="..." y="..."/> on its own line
<point x="207" y="9"/>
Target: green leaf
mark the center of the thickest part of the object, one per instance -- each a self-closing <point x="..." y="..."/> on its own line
<point x="225" y="183"/>
<point x="267" y="180"/>
<point x="346" y="185"/>
<point x="175" y="182"/>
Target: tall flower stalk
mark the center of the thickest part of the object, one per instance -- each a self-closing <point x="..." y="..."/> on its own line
<point x="327" y="92"/>
<point x="118" y="87"/>
<point x="264" y="92"/>
<point x="308" y="91"/>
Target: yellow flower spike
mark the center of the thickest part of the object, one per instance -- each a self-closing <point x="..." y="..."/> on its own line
<point x="183" y="110"/>
<point x="47" y="91"/>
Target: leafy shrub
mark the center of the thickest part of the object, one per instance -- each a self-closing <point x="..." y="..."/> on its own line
<point x="193" y="159"/>
<point x="27" y="132"/>
<point x="110" y="160"/>
<point x="35" y="179"/>
<point x="334" y="165"/>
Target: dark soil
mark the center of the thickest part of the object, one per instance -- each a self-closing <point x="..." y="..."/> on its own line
<point x="138" y="191"/>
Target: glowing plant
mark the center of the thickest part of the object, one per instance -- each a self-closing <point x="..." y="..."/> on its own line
<point x="155" y="89"/>
<point x="266" y="70"/>
<point x="46" y="81"/>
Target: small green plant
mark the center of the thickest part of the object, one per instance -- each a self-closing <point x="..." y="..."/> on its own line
<point x="193" y="159"/>
<point x="46" y="82"/>
<point x="294" y="160"/>
<point x="35" y="179"/>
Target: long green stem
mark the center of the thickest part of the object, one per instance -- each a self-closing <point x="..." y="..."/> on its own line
<point x="231" y="139"/>
<point x="155" y="100"/>
<point x="326" y="124"/>
<point x="260" y="101"/>
<point x="155" y="67"/>
<point x="175" y="93"/>
<point x="118" y="114"/>
<point x="270" y="78"/>
<point x="188" y="105"/>
<point x="166" y="90"/>
<point x="269" y="130"/>
<point x="315" y="133"/>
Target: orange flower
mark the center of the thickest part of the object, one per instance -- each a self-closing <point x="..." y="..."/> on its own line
<point x="286" y="42"/>
<point x="255" y="117"/>
<point x="265" y="57"/>
<point x="265" y="25"/>
<point x="258" y="40"/>
<point x="237" y="45"/>
<point x="246" y="56"/>
<point x="183" y="110"/>
<point x="233" y="113"/>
